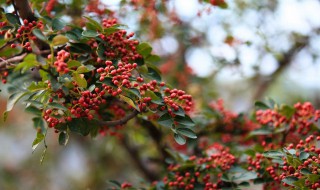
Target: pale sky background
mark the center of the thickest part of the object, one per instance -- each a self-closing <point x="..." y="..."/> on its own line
<point x="292" y="15"/>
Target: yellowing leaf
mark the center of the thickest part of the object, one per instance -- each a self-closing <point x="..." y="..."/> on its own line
<point x="59" y="40"/>
<point x="129" y="101"/>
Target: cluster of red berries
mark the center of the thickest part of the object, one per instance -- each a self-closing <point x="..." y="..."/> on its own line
<point x="120" y="46"/>
<point x="175" y="98"/>
<point x="50" y="6"/>
<point x="54" y="117"/>
<point x="107" y="23"/>
<point x="60" y="64"/>
<point x="255" y="163"/>
<point x="218" y="160"/>
<point x="24" y="32"/>
<point x="301" y="160"/>
<point x="301" y="120"/>
<point x="229" y="122"/>
<point x="96" y="6"/>
<point x="3" y="76"/>
<point x="87" y="103"/>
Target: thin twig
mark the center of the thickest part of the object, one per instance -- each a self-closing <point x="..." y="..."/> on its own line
<point x="9" y="61"/>
<point x="122" y="121"/>
<point x="7" y="43"/>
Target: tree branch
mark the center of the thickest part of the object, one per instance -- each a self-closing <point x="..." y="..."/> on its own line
<point x="8" y="62"/>
<point x="157" y="137"/>
<point x="283" y="64"/>
<point x="122" y="121"/>
<point x="25" y="12"/>
<point x="134" y="155"/>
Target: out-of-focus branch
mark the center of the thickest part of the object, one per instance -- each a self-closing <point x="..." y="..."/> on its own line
<point x="286" y="60"/>
<point x="25" y="12"/>
<point x="134" y="155"/>
<point x="157" y="137"/>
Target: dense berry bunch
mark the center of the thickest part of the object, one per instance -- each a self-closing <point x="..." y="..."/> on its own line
<point x="300" y="119"/>
<point x="231" y="125"/>
<point x="60" y="64"/>
<point x="3" y="76"/>
<point x="203" y="171"/>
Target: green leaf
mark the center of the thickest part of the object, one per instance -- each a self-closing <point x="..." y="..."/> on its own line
<point x="303" y="156"/>
<point x="58" y="24"/>
<point x="179" y="112"/>
<point x="38" y="123"/>
<point x="129" y="101"/>
<point x="80" y="48"/>
<point x="144" y="49"/>
<point x="82" y="69"/>
<point x="108" y="81"/>
<point x="28" y="62"/>
<point x="34" y="110"/>
<point x="305" y="171"/>
<point x="110" y="30"/>
<point x="287" y="111"/>
<point x="14" y="98"/>
<point x="244" y="184"/>
<point x="5" y="116"/>
<point x="37" y="140"/>
<point x="90" y="33"/>
<point x="57" y="106"/>
<point x="134" y="91"/>
<point x="165" y="120"/>
<point x="154" y="74"/>
<point x="91" y="87"/>
<point x="250" y="152"/>
<point x="258" y="181"/>
<point x="72" y="36"/>
<point x="186" y="120"/>
<point x="186" y="132"/>
<point x="36" y="86"/>
<point x="179" y="139"/>
<point x="273" y="154"/>
<point x="155" y="97"/>
<point x="6" y="28"/>
<point x="81" y="126"/>
<point x="12" y="18"/>
<point x="261" y="106"/>
<point x="223" y="5"/>
<point x="80" y="80"/>
<point x="246" y="176"/>
<point x="94" y="23"/>
<point x="63" y="138"/>
<point x="38" y="33"/>
<point x="301" y="184"/>
<point x="59" y="40"/>
<point x="140" y="61"/>
<point x="115" y="183"/>
<point x="153" y="58"/>
<point x="43" y="155"/>
<point x="100" y="51"/>
<point x="290" y="180"/>
<point x="261" y="131"/>
<point x="73" y="63"/>
<point x="313" y="177"/>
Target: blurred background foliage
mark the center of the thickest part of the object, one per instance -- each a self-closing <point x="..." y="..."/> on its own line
<point x="246" y="52"/>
